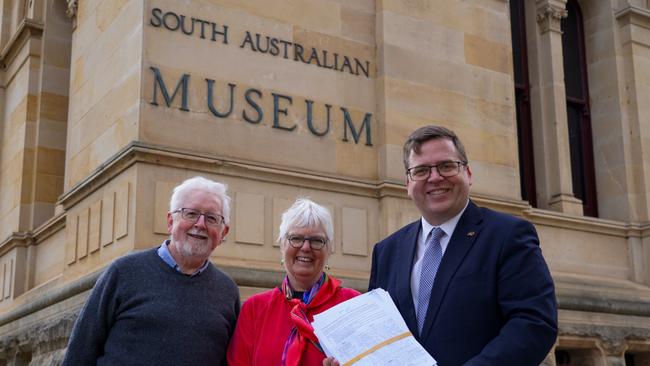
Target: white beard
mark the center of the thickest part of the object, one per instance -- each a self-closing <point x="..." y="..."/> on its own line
<point x="192" y="247"/>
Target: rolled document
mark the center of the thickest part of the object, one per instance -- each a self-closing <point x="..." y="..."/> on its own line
<point x="369" y="330"/>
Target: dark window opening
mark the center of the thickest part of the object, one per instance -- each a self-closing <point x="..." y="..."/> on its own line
<point x="522" y="102"/>
<point x="562" y="358"/>
<point x="578" y="114"/>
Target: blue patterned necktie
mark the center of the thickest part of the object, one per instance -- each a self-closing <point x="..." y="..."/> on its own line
<point x="430" y="264"/>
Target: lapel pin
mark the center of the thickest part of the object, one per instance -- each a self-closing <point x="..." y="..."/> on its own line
<point x="471" y="233"/>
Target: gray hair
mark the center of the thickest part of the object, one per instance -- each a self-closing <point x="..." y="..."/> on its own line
<point x="306" y="213"/>
<point x="203" y="184"/>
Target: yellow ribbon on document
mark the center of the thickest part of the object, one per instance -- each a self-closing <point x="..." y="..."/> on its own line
<point x="376" y="347"/>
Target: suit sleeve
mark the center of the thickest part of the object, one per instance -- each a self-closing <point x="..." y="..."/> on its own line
<point x="91" y="329"/>
<point x="372" y="282"/>
<point x="526" y="297"/>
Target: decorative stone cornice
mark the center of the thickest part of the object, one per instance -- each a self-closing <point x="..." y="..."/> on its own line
<point x="139" y="152"/>
<point x="587" y="224"/>
<point x="15" y="240"/>
<point x="71" y="11"/>
<point x="26" y="30"/>
<point x="550" y="14"/>
<point x="49" y="228"/>
<point x="633" y="15"/>
<point x="27" y="238"/>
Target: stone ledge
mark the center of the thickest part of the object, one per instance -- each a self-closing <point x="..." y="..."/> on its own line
<point x="601" y="295"/>
<point x="576" y="295"/>
<point x="51" y="297"/>
<point x="587" y="224"/>
<point x="634" y="15"/>
<point x="27" y="238"/>
<point x="138" y="152"/>
<point x="26" y="29"/>
<point x="577" y="330"/>
<point x="592" y="302"/>
<point x="15" y="240"/>
<point x="241" y="276"/>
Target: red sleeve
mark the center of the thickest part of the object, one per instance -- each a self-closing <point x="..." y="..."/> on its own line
<point x="348" y="293"/>
<point x="240" y="349"/>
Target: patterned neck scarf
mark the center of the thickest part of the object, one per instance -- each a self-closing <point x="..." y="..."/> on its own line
<point x="302" y="332"/>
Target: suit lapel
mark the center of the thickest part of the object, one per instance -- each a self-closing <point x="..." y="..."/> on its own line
<point x="404" y="264"/>
<point x="461" y="241"/>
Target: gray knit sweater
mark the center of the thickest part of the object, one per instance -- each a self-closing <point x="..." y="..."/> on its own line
<point x="143" y="312"/>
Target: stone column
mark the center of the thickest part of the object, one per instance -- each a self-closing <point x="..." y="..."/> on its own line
<point x="634" y="38"/>
<point x="548" y="109"/>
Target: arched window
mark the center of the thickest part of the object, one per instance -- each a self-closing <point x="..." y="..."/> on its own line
<point x="577" y="105"/>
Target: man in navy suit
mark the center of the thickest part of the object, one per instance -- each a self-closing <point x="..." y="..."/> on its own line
<point x="492" y="301"/>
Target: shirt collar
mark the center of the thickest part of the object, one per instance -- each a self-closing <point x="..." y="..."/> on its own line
<point x="166" y="256"/>
<point x="448" y="226"/>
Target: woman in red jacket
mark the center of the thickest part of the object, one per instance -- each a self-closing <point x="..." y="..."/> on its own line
<point x="274" y="327"/>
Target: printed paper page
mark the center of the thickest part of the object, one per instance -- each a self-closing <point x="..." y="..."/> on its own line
<point x="369" y="330"/>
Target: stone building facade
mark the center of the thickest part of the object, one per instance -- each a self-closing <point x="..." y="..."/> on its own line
<point x="107" y="105"/>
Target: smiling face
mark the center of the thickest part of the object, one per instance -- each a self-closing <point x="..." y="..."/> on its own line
<point x="438" y="199"/>
<point x="196" y="241"/>
<point x="304" y="265"/>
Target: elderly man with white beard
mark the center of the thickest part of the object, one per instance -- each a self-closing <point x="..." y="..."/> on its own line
<point x="168" y="305"/>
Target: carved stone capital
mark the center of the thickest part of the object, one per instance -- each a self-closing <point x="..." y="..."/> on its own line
<point x="42" y="338"/>
<point x="613" y="347"/>
<point x="71" y="11"/>
<point x="550" y="15"/>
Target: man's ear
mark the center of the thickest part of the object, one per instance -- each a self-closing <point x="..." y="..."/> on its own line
<point x="224" y="232"/>
<point x="170" y="222"/>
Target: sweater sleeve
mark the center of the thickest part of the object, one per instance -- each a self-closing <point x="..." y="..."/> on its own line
<point x="240" y="350"/>
<point x="91" y="329"/>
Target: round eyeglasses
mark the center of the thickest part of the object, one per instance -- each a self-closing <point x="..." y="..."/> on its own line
<point x="315" y="242"/>
<point x="192" y="215"/>
<point x="446" y="169"/>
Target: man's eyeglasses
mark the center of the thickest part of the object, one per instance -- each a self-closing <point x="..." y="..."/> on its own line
<point x="192" y="215"/>
<point x="316" y="242"/>
<point x="446" y="169"/>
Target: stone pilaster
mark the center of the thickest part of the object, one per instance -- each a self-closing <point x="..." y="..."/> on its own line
<point x="550" y="128"/>
<point x="634" y="37"/>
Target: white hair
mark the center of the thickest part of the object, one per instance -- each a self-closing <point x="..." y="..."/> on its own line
<point x="305" y="213"/>
<point x="203" y="184"/>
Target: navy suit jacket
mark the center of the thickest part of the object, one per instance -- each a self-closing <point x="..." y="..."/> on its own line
<point x="493" y="300"/>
